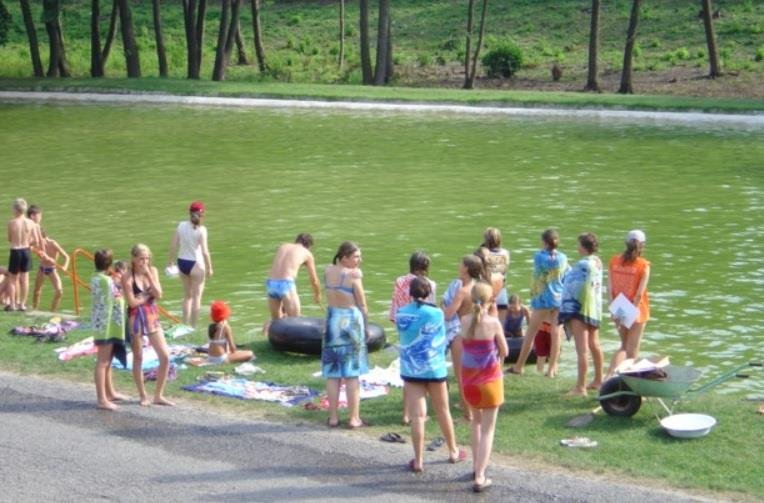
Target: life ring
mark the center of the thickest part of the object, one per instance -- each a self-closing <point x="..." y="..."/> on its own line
<point x="514" y="344"/>
<point x="303" y="334"/>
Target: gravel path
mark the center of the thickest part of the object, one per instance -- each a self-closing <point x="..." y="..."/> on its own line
<point x="55" y="446"/>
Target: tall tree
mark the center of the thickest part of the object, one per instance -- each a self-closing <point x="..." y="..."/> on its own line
<point x="713" y="53"/>
<point x="193" y="22"/>
<point x="592" y="83"/>
<point x="129" y="46"/>
<point x="631" y="37"/>
<point x="57" y="65"/>
<point x="341" y="58"/>
<point x="363" y="30"/>
<point x="469" y="78"/>
<point x="257" y="28"/>
<point x="5" y="23"/>
<point x="468" y="42"/>
<point x="96" y="61"/>
<point x="110" y="33"/>
<point x="34" y="46"/>
<point x="161" y="56"/>
<point x="383" y="31"/>
<point x="218" y="71"/>
<point x="222" y="57"/>
<point x="241" y="52"/>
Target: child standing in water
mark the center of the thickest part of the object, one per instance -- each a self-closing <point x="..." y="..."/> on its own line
<point x="107" y="317"/>
<point x="483" y="351"/>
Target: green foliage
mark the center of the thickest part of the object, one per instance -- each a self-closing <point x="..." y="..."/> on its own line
<point x="424" y="59"/>
<point x="503" y="60"/>
<point x="294" y="20"/>
<point x="759" y="54"/>
<point x="6" y="21"/>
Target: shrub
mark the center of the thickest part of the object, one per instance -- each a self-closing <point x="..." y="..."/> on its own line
<point x="682" y="53"/>
<point x="424" y="59"/>
<point x="759" y="54"/>
<point x="294" y="20"/>
<point x="504" y="60"/>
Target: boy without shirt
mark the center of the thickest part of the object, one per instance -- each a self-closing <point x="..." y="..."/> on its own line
<point x="282" y="293"/>
<point x="23" y="236"/>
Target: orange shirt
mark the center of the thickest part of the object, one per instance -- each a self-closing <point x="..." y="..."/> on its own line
<point x="625" y="278"/>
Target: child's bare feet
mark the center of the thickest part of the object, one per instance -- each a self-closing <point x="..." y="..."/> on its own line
<point x="160" y="400"/>
<point x="576" y="392"/>
<point x="552" y="372"/>
<point x="145" y="402"/>
<point x="594" y="386"/>
<point x="118" y="397"/>
<point x="107" y="405"/>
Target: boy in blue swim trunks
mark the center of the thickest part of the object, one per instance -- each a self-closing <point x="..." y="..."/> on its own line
<point x="280" y="285"/>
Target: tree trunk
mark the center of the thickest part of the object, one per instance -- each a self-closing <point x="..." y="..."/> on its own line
<point x="189" y="23"/>
<point x="57" y="65"/>
<point x="161" y="56"/>
<point x="468" y="44"/>
<point x="132" y="61"/>
<point x="380" y="68"/>
<point x="241" y="53"/>
<point x="96" y="63"/>
<point x="594" y="41"/>
<point x="389" y="66"/>
<point x="341" y="58"/>
<point x="201" y="14"/>
<point x="478" y="47"/>
<point x="110" y="34"/>
<point x="34" y="46"/>
<point x="259" y="47"/>
<point x="713" y="53"/>
<point x="363" y="21"/>
<point x="631" y="37"/>
<point x="233" y="29"/>
<point x="218" y="72"/>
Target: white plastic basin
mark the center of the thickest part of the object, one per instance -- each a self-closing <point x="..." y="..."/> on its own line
<point x="688" y="425"/>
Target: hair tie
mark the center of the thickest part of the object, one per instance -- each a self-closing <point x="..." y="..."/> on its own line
<point x="478" y="302"/>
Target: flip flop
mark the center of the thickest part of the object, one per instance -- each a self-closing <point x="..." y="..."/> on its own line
<point x="459" y="457"/>
<point x="412" y="467"/>
<point x="479" y="488"/>
<point x="392" y="438"/>
<point x="436" y="444"/>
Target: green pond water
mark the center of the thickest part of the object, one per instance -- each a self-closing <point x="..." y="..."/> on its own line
<point x="395" y="182"/>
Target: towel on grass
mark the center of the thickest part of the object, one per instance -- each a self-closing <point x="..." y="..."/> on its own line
<point x="244" y="389"/>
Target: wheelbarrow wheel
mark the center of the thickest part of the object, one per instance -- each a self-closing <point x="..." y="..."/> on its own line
<point x="621" y="405"/>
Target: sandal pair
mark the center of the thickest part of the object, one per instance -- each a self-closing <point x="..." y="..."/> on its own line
<point x="392" y="437"/>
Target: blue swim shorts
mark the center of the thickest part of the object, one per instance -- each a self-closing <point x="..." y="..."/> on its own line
<point x="277" y="289"/>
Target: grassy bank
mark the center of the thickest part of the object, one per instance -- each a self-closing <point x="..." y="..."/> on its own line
<point x="391" y="94"/>
<point x="301" y="42"/>
<point x="530" y="426"/>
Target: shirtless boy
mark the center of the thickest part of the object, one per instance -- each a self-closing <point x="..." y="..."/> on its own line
<point x="23" y="235"/>
<point x="280" y="286"/>
<point x="48" y="268"/>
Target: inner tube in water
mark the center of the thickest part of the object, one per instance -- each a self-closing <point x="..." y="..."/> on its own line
<point x="514" y="344"/>
<point x="303" y="334"/>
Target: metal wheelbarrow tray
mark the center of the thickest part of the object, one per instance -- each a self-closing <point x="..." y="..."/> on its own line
<point x="622" y="395"/>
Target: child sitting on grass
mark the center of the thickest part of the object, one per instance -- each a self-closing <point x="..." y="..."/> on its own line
<point x="222" y="348"/>
<point x="107" y="317"/>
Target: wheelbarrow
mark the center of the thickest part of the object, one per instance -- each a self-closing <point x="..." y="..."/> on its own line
<point x="623" y="394"/>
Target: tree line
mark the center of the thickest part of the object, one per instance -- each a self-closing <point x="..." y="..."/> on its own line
<point x="230" y="36"/>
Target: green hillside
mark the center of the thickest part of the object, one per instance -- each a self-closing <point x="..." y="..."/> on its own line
<point x="301" y="42"/>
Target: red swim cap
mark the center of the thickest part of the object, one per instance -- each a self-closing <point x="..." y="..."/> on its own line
<point x="219" y="311"/>
<point x="196" y="207"/>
